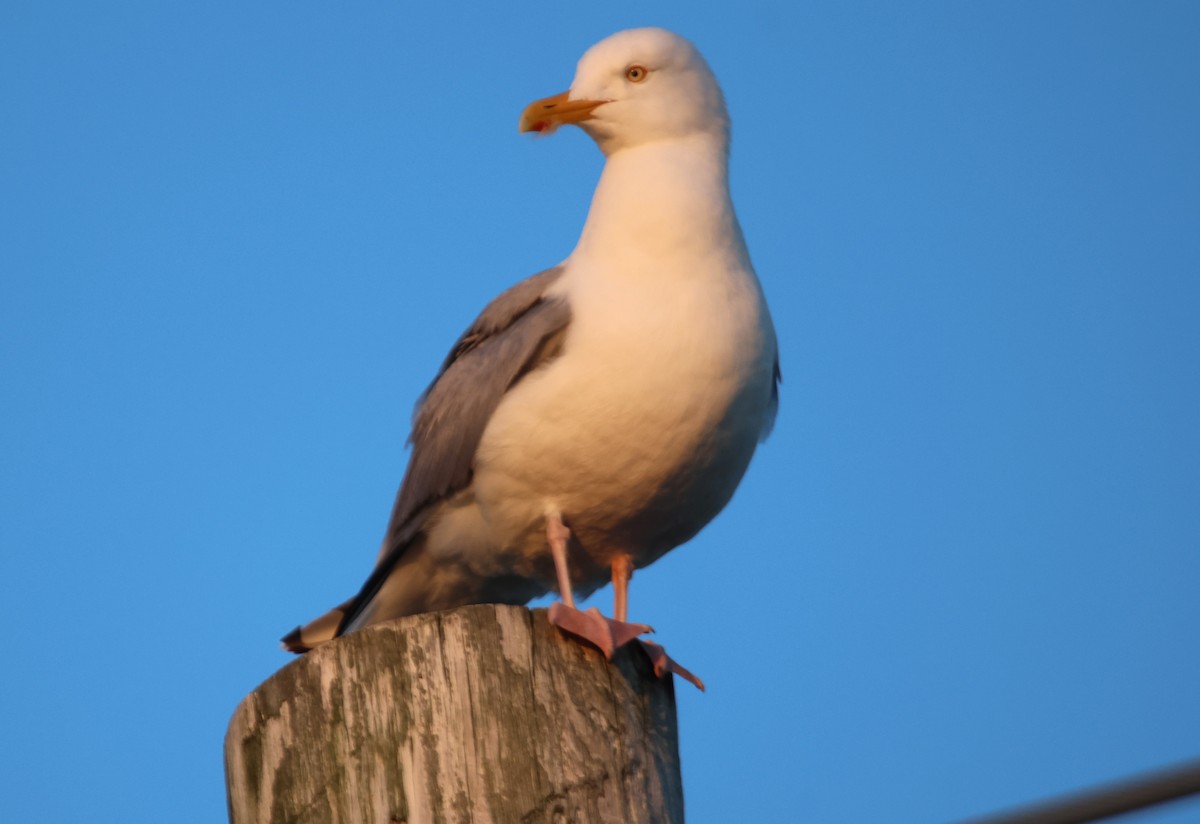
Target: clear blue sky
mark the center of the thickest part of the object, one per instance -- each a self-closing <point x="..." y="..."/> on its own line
<point x="237" y="238"/>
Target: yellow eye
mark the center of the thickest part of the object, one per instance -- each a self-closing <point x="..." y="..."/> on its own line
<point x="636" y="74"/>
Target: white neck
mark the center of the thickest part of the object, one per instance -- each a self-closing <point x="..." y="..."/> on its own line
<point x="662" y="199"/>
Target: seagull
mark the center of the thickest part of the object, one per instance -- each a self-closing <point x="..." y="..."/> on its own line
<point x="599" y="413"/>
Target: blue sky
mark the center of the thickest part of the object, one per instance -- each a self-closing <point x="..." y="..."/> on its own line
<point x="237" y="239"/>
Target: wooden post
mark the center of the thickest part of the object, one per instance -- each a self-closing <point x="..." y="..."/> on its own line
<point x="480" y="714"/>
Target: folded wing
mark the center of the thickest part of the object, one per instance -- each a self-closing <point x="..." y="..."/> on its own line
<point x="516" y="333"/>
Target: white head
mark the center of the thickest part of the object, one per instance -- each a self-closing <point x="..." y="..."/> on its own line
<point x="635" y="87"/>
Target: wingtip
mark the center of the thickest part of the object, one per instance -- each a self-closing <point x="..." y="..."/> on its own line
<point x="318" y="631"/>
<point x="294" y="642"/>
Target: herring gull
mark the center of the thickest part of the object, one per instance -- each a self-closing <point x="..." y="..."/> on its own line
<point x="600" y="413"/>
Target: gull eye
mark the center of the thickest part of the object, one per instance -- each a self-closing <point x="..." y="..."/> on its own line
<point x="636" y="73"/>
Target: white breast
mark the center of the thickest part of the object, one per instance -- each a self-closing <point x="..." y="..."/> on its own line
<point x="641" y="429"/>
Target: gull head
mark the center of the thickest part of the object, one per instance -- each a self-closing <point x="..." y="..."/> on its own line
<point x="636" y="87"/>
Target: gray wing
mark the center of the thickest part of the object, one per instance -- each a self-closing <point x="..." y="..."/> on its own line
<point x="517" y="332"/>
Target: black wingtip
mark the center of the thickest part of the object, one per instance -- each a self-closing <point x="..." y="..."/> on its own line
<point x="293" y="642"/>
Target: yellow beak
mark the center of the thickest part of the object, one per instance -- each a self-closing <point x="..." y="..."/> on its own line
<point x="549" y="113"/>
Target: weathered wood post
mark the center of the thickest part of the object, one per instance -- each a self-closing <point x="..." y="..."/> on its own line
<point x="480" y="714"/>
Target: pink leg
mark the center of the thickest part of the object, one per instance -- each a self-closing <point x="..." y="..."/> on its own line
<point x="622" y="573"/>
<point x="557" y="535"/>
<point x="605" y="633"/>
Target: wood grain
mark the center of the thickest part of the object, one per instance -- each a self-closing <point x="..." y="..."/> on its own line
<point x="479" y="714"/>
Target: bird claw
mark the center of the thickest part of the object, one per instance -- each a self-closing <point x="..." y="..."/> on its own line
<point x="610" y="635"/>
<point x="664" y="664"/>
<point x="606" y="633"/>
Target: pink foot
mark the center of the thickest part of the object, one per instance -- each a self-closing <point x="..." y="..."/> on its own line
<point x="664" y="664"/>
<point x="605" y="633"/>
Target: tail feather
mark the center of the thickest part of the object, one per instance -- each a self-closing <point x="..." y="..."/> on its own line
<point x="319" y="630"/>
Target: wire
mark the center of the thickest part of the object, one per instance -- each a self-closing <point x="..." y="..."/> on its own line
<point x="1103" y="802"/>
